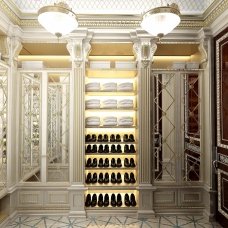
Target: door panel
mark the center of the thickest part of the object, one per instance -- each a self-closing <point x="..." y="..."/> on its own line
<point x="221" y="62"/>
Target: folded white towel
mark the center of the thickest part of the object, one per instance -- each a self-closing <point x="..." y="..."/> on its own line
<point x="110" y="103"/>
<point x="126" y="86"/>
<point x="125" y="120"/>
<point x="93" y="123"/>
<point x="93" y="119"/>
<point x="110" y="119"/>
<point x="110" y="86"/>
<point x="93" y="86"/>
<point x="109" y="123"/>
<point x="92" y="102"/>
<point x="126" y="103"/>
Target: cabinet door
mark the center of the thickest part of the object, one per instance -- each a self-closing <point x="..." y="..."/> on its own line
<point x="221" y="62"/>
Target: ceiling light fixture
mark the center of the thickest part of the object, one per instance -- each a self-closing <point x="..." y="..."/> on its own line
<point x="58" y="19"/>
<point x="161" y="20"/>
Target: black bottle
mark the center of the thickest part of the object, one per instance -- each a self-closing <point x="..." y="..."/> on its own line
<point x="119" y="200"/>
<point x="88" y="201"/>
<point x="106" y="200"/>
<point x="94" y="200"/>
<point x="113" y="200"/>
<point x="100" y="200"/>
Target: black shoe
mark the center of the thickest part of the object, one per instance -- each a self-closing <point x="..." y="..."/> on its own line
<point x="132" y="178"/>
<point x="94" y="138"/>
<point x="94" y="179"/>
<point x="106" y="200"/>
<point x="89" y="162"/>
<point x="94" y="200"/>
<point x="100" y="200"/>
<point x="133" y="201"/>
<point x="125" y="138"/>
<point x="118" y="149"/>
<point x="119" y="200"/>
<point x="94" y="149"/>
<point x="88" y="178"/>
<point x="88" y="201"/>
<point x="101" y="179"/>
<point x="112" y="138"/>
<point x="94" y="164"/>
<point x="113" y="162"/>
<point x="113" y="149"/>
<point x="99" y="139"/>
<point x="118" y="163"/>
<point x="126" y="162"/>
<point x="106" y="178"/>
<point x="105" y="139"/>
<point x="100" y="164"/>
<point x="106" y="149"/>
<point x="126" y="149"/>
<point x="100" y="150"/>
<point x="106" y="162"/>
<point x="118" y="139"/>
<point x="88" y="149"/>
<point x="127" y="200"/>
<point x="126" y="178"/>
<point x="113" y="178"/>
<point x="119" y="179"/>
<point x="113" y="200"/>
<point x="131" y="138"/>
<point x="88" y="138"/>
<point x="132" y="162"/>
<point x="132" y="149"/>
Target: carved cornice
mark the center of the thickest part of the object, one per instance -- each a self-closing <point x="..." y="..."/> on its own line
<point x="122" y="21"/>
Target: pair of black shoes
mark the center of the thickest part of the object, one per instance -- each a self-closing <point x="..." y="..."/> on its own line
<point x="116" y="163"/>
<point x="129" y="179"/>
<point x="114" y="138"/>
<point x="128" y="138"/>
<point x="116" y="149"/>
<point x="129" y="201"/>
<point x="91" y="179"/>
<point x="116" y="200"/>
<point x="91" y="201"/>
<point x="103" y="179"/>
<point x="116" y="178"/>
<point x="129" y="164"/>
<point x="102" y="138"/>
<point x="103" y="163"/>
<point x="130" y="149"/>
<point x="91" y="138"/>
<point x="90" y="149"/>
<point x="91" y="163"/>
<point x="104" y="149"/>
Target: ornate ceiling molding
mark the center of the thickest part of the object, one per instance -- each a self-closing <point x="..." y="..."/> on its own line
<point x="123" y="21"/>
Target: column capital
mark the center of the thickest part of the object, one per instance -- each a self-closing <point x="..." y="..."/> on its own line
<point x="10" y="48"/>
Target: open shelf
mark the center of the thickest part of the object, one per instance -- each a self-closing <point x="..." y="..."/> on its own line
<point x="111" y="93"/>
<point x="111" y="126"/>
<point x="111" y="73"/>
<point x="110" y="143"/>
<point x="111" y="109"/>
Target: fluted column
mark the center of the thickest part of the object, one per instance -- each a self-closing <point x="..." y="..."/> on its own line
<point x="78" y="49"/>
<point x="145" y="50"/>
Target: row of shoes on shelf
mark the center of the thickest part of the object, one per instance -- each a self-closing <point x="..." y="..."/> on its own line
<point x="109" y="86"/>
<point x="115" y="178"/>
<point x="109" y="104"/>
<point x="106" y="149"/>
<point x="112" y="138"/>
<point x="109" y="121"/>
<point x="115" y="163"/>
<point x="92" y="201"/>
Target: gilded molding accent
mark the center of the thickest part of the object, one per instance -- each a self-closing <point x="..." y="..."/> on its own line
<point x="203" y="49"/>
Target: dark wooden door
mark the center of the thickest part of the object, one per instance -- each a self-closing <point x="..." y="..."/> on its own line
<point x="221" y="74"/>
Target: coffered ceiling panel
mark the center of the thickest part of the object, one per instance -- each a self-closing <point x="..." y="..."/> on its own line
<point x="115" y="6"/>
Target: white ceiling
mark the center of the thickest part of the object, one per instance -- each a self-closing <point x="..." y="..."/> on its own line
<point x="187" y="7"/>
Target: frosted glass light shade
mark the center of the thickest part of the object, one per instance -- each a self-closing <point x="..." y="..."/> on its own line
<point x="58" y="19"/>
<point x="161" y="20"/>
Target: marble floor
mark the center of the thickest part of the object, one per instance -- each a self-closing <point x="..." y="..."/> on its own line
<point x="111" y="222"/>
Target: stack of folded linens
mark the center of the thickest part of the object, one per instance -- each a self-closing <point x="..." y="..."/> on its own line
<point x="110" y="103"/>
<point x="92" y="103"/>
<point x="126" y="103"/>
<point x="93" y="121"/>
<point x="110" y="121"/>
<point x="125" y="121"/>
<point x="92" y="86"/>
<point x="110" y="86"/>
<point x="126" y="86"/>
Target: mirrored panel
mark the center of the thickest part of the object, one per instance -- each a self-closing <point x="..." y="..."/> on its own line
<point x="191" y="127"/>
<point x="58" y="127"/>
<point x="3" y="125"/>
<point x="164" y="155"/>
<point x="30" y="127"/>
